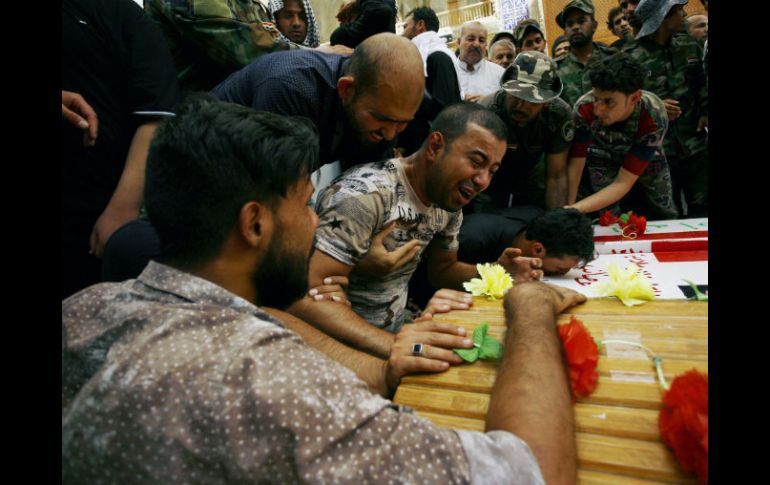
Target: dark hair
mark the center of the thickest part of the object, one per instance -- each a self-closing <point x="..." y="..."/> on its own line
<point x="427" y="15"/>
<point x="618" y="72"/>
<point x="212" y="158"/>
<point x="559" y="40"/>
<point x="452" y="121"/>
<point x="614" y="12"/>
<point x="563" y="232"/>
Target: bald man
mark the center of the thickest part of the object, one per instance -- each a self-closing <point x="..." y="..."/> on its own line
<point x="359" y="104"/>
<point x="478" y="76"/>
<point x="502" y="53"/>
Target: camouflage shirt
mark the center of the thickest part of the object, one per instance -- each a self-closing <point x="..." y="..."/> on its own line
<point x="211" y="39"/>
<point x="573" y="73"/>
<point x="634" y="144"/>
<point x="358" y="205"/>
<point x="676" y="72"/>
<point x="551" y="131"/>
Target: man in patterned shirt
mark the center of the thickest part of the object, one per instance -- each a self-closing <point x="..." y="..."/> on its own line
<point x="424" y="194"/>
<point x="179" y="377"/>
<point x="619" y="138"/>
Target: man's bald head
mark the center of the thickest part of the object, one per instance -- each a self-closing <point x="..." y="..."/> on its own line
<point x="382" y="87"/>
<point x="374" y="64"/>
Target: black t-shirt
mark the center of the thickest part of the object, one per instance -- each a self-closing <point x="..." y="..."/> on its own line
<point x="116" y="58"/>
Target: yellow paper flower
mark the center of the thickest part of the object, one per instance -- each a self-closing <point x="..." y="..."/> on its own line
<point x="493" y="284"/>
<point x="629" y="285"/>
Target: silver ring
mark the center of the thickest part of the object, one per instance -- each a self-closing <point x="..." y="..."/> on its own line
<point x="417" y="350"/>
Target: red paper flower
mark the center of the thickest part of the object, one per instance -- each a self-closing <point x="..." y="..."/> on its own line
<point x="639" y="223"/>
<point x="582" y="357"/>
<point x="607" y="219"/>
<point x="684" y="422"/>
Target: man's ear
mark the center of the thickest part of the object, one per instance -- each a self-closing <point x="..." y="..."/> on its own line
<point x="421" y="26"/>
<point x="538" y="250"/>
<point x="346" y="88"/>
<point x="435" y="146"/>
<point x="255" y="223"/>
<point x="635" y="97"/>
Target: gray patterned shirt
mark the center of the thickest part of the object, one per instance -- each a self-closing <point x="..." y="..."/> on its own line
<point x="361" y="203"/>
<point x="170" y="378"/>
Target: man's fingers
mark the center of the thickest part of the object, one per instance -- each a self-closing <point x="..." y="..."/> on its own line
<point x="322" y="289"/>
<point x="455" y="295"/>
<point x="433" y="326"/>
<point x="74" y="118"/>
<point x="380" y="236"/>
<point x="512" y="253"/>
<point x="444" y="340"/>
<point x="405" y="253"/>
<point x="342" y="281"/>
<point x="537" y="274"/>
<point x="413" y="365"/>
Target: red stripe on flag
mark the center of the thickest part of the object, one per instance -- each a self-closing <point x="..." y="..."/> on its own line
<point x="661" y="235"/>
<point x="682" y="256"/>
<point x="684" y="245"/>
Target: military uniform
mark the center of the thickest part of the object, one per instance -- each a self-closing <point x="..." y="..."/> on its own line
<point x="210" y="40"/>
<point x="574" y="74"/>
<point x="635" y="145"/>
<point x="551" y="131"/>
<point x="675" y="72"/>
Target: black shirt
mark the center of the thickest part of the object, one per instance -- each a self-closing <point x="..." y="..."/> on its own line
<point x="116" y="58"/>
<point x="374" y="16"/>
<point x="303" y="83"/>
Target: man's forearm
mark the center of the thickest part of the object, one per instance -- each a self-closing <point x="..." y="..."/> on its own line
<point x="556" y="191"/>
<point x="368" y="368"/>
<point x="342" y="323"/>
<point x="531" y="396"/>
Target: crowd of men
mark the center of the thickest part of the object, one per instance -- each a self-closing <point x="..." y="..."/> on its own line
<point x="251" y="326"/>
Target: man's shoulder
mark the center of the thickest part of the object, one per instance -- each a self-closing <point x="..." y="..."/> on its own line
<point x="604" y="49"/>
<point x="558" y="109"/>
<point x="494" y="68"/>
<point x="654" y="106"/>
<point x="376" y="178"/>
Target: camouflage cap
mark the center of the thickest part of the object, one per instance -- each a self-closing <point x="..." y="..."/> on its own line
<point x="650" y="13"/>
<point x="532" y="77"/>
<point x="521" y="30"/>
<point x="586" y="6"/>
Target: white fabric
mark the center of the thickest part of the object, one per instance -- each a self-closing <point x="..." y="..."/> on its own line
<point x="428" y="43"/>
<point x="483" y="80"/>
<point x="499" y="457"/>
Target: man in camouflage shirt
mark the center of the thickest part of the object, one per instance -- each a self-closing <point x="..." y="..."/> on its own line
<point x="577" y="20"/>
<point x="673" y="71"/>
<point x="618" y="137"/>
<point x="539" y="124"/>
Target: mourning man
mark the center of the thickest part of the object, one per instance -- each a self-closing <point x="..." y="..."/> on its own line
<point x="502" y="52"/>
<point x="184" y="374"/>
<point x="618" y="25"/>
<point x="295" y="21"/>
<point x="424" y="195"/>
<point x="529" y="36"/>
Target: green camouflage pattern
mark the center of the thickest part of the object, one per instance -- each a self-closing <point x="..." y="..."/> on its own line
<point x="521" y="29"/>
<point x="609" y="149"/>
<point x="574" y="74"/>
<point x="532" y="77"/>
<point x="676" y="72"/>
<point x="586" y="6"/>
<point x="210" y="39"/>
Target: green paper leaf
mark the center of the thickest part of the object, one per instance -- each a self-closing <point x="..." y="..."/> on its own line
<point x="468" y="355"/>
<point x="599" y="344"/>
<point x="699" y="295"/>
<point x="624" y="218"/>
<point x="491" y="349"/>
<point x="479" y="334"/>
